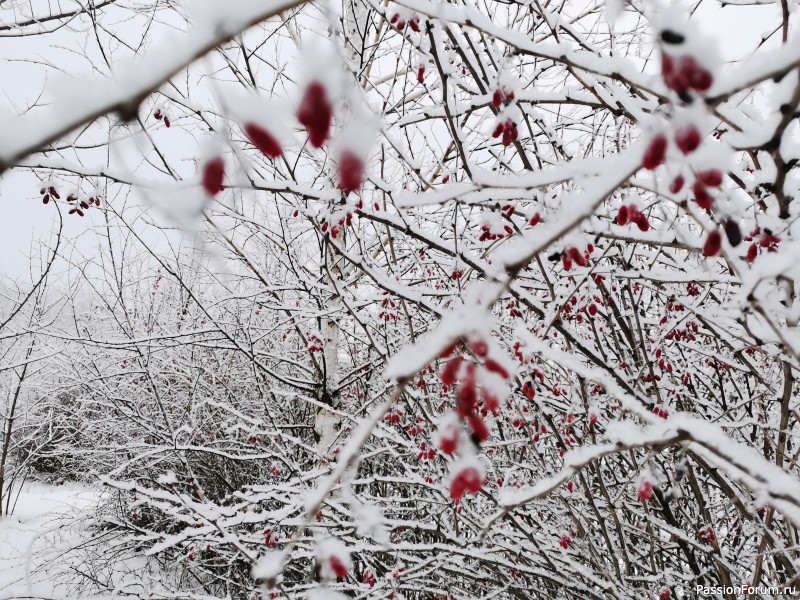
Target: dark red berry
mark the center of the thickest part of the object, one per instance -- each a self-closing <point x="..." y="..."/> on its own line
<point x="263" y="140"/>
<point x="656" y="152"/>
<point x="351" y="172"/>
<point x="316" y="114"/>
<point x="687" y="139"/>
<point x="213" y="174"/>
<point x="702" y="195"/>
<point x="713" y="244"/>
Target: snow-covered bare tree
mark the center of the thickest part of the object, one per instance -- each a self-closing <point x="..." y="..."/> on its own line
<point x="425" y="300"/>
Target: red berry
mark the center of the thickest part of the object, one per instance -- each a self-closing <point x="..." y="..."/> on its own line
<point x="496" y="367"/>
<point x="479" y="428"/>
<point x="316" y="114"/>
<point x="701" y="195"/>
<point x="577" y="256"/>
<point x="641" y="221"/>
<point x="687" y="139"/>
<point x="421" y="74"/>
<point x="622" y="215"/>
<point x="351" y="172"/>
<point x="656" y="152"/>
<point x="752" y="252"/>
<point x="497" y="98"/>
<point x="676" y="185"/>
<point x="213" y="173"/>
<point x="166" y="122"/>
<point x="479" y="347"/>
<point x="713" y="244"/>
<point x="450" y="371"/>
<point x="263" y="140"/>
<point x="645" y="490"/>
<point x="338" y="567"/>
<point x="711" y="178"/>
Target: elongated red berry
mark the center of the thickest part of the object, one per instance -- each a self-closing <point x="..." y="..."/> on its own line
<point x="213" y="173"/>
<point x="752" y="252"/>
<point x="713" y="244"/>
<point x="711" y="177"/>
<point x="702" y="195"/>
<point x="421" y="74"/>
<point x="316" y="114"/>
<point x="656" y="152"/>
<point x="338" y="567"/>
<point x="351" y="172"/>
<point x="622" y="215"/>
<point x="687" y="139"/>
<point x="577" y="256"/>
<point x="640" y="219"/>
<point x="263" y="140"/>
<point x="495" y="367"/>
<point x="450" y="372"/>
<point x="676" y="185"/>
<point x="497" y="98"/>
<point x="478" y="427"/>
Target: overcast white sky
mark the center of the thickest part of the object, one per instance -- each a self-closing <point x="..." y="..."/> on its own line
<point x="23" y="76"/>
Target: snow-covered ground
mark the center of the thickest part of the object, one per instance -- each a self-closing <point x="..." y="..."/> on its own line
<point x="42" y="528"/>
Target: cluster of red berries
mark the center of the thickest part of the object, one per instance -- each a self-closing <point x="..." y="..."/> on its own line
<point x="566" y="540"/>
<point x="316" y="344"/>
<point x="661" y="412"/>
<point x="707" y="534"/>
<point x="345" y="221"/>
<point x="684" y="73"/>
<point x="488" y="235"/>
<point x="571" y="255"/>
<point x="49" y="192"/>
<point x="645" y="489"/>
<point x="631" y="214"/>
<point x="393" y="417"/>
<point x="703" y="181"/>
<point x="400" y="23"/>
<point x="79" y="206"/>
<point x="767" y="240"/>
<point x="502" y="94"/>
<point x="159" y="116"/>
<point x="369" y="578"/>
<point x="469" y="479"/>
<point x="269" y="540"/>
<point x="508" y="130"/>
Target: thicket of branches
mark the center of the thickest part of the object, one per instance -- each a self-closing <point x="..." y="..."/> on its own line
<point x="414" y="300"/>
